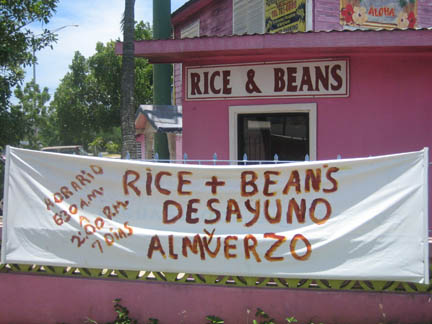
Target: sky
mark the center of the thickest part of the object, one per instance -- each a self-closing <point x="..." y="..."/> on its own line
<point x="97" y="20"/>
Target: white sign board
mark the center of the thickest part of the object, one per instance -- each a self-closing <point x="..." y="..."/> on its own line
<point x="340" y="219"/>
<point x="318" y="78"/>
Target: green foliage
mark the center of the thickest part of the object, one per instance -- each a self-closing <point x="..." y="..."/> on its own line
<point x="263" y="317"/>
<point x="87" y="102"/>
<point x="35" y="118"/>
<point x="123" y="317"/>
<point x="75" y="121"/>
<point x="122" y="314"/>
<point x="16" y="51"/>
<point x="214" y="319"/>
<point x="112" y="147"/>
<point x="97" y="145"/>
<point x="153" y="321"/>
<point x="11" y="125"/>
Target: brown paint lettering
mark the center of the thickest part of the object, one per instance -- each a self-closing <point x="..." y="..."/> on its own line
<point x="165" y="218"/>
<point x="148" y="182"/>
<point x="226" y="82"/>
<point x="299" y="211"/>
<point x="251" y="248"/>
<point x="321" y="78"/>
<point x="336" y="77"/>
<point x="214" y="183"/>
<point x="206" y="82"/>
<point x="255" y="211"/>
<point x="279" y="241"/>
<point x="83" y="181"/>
<point x="171" y="254"/>
<point x="157" y="182"/>
<point x="233" y="208"/>
<point x="291" y="73"/>
<point x="294" y="181"/>
<point x="58" y="197"/>
<point x="155" y="245"/>
<point x="248" y="183"/>
<point x="96" y="169"/>
<point x="66" y="192"/>
<point x="197" y="243"/>
<point x="49" y="203"/>
<point x="293" y="244"/>
<point x="268" y="181"/>
<point x="195" y="81"/>
<point x="306" y="79"/>
<point x="228" y="246"/>
<point x="212" y="82"/>
<point x="279" y="79"/>
<point x="312" y="208"/>
<point x="314" y="179"/>
<point x="75" y="186"/>
<point x="191" y="210"/>
<point x="182" y="182"/>
<point x="217" y="213"/>
<point x="332" y="180"/>
<point x="275" y="219"/>
<point x="131" y="184"/>
<point x="215" y="252"/>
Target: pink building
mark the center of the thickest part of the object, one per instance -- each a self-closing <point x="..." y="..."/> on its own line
<point x="248" y="82"/>
<point x="341" y="88"/>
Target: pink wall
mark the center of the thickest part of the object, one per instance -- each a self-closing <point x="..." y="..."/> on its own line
<point x="388" y="111"/>
<point x="216" y="20"/>
<point x="43" y="299"/>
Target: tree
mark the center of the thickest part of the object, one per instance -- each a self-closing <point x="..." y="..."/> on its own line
<point x="105" y="68"/>
<point x="32" y="105"/>
<point x="71" y="103"/>
<point x="16" y="48"/>
<point x="94" y="97"/>
<point x="127" y="82"/>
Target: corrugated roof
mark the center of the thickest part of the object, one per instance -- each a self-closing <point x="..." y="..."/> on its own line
<point x="164" y="118"/>
<point x="315" y="31"/>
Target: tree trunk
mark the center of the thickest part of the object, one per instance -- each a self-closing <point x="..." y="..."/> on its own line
<point x="127" y="110"/>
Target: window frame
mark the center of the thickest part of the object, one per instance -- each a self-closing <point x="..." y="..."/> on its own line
<point x="234" y="111"/>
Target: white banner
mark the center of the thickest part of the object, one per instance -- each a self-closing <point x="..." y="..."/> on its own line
<point x="360" y="219"/>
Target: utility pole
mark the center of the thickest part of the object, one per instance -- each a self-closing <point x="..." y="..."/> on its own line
<point x="162" y="72"/>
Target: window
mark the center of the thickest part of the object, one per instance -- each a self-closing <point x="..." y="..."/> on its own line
<point x="263" y="131"/>
<point x="248" y="17"/>
<point x="191" y="30"/>
<point x="261" y="16"/>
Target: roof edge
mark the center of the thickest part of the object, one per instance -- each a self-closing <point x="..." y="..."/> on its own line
<point x="181" y="50"/>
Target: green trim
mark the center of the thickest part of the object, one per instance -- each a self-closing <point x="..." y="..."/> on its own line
<point x="230" y="281"/>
